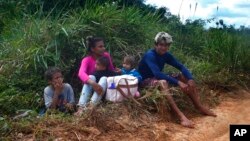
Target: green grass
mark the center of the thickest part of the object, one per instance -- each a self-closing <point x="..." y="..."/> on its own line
<point x="32" y="39"/>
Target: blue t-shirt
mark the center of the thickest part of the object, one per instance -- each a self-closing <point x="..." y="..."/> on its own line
<point x="152" y="65"/>
<point x="132" y="72"/>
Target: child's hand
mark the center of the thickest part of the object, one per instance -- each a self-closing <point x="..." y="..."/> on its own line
<point x="183" y="86"/>
<point x="98" y="89"/>
<point x="58" y="86"/>
<point x="118" y="70"/>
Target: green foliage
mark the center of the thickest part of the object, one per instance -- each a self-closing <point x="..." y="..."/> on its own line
<point x="37" y="34"/>
<point x="4" y="126"/>
<point x="224" y="47"/>
<point x="228" y="50"/>
<point x="22" y="94"/>
<point x="33" y="42"/>
<point x="190" y="38"/>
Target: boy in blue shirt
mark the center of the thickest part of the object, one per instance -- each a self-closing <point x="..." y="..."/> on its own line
<point x="151" y="67"/>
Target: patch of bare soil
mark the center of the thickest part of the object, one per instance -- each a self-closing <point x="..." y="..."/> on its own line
<point x="234" y="109"/>
<point x="129" y="122"/>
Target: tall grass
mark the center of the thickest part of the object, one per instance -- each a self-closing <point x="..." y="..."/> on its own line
<point x="32" y="43"/>
<point x="224" y="47"/>
<point x="228" y="50"/>
<point x="33" y="40"/>
<point x="43" y="40"/>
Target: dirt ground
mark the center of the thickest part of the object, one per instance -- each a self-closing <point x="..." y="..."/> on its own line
<point x="129" y="125"/>
<point x="232" y="110"/>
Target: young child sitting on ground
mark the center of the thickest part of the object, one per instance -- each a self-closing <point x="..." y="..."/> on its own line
<point x="58" y="95"/>
<point x="129" y="64"/>
<point x="101" y="68"/>
<point x="128" y="67"/>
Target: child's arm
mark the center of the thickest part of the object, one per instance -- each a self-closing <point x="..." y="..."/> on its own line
<point x="58" y="86"/>
<point x="70" y="97"/>
<point x="48" y="96"/>
<point x="54" y="101"/>
<point x="123" y="71"/>
<point x="118" y="71"/>
<point x="137" y="75"/>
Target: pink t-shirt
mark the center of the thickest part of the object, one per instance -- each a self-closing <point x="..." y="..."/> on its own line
<point x="88" y="66"/>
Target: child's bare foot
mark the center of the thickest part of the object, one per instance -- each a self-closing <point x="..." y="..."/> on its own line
<point x="207" y="112"/>
<point x="187" y="123"/>
<point x="79" y="112"/>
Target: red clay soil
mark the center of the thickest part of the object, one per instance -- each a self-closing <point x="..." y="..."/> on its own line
<point x="129" y="125"/>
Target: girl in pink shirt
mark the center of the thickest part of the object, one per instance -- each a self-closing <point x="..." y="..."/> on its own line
<point x="96" y="49"/>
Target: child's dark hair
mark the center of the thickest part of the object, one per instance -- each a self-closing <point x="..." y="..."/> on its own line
<point x="50" y="72"/>
<point x="91" y="42"/>
<point x="104" y="61"/>
<point x="130" y="60"/>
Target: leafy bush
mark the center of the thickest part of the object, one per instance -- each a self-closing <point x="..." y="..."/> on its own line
<point x="33" y="42"/>
<point x="35" y="36"/>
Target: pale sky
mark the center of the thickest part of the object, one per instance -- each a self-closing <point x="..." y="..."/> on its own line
<point x="233" y="12"/>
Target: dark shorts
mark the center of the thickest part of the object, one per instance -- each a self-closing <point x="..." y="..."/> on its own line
<point x="149" y="82"/>
<point x="153" y="82"/>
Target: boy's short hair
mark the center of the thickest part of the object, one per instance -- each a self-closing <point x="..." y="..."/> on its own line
<point x="50" y="72"/>
<point x="163" y="36"/>
<point x="130" y="60"/>
<point x="104" y="61"/>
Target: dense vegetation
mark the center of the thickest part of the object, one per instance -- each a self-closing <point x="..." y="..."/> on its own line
<point x="37" y="34"/>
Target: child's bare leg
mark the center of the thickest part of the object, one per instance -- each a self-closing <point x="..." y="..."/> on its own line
<point x="193" y="93"/>
<point x="184" y="120"/>
<point x="194" y="96"/>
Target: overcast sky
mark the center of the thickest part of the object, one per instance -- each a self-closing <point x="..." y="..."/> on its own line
<point x="233" y="12"/>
